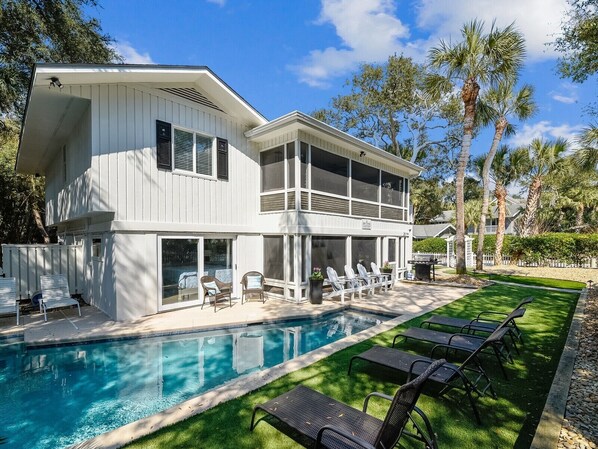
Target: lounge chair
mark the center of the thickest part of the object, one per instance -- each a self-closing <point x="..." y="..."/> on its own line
<point x="56" y="293"/>
<point x="480" y="323"/>
<point x="252" y="283"/>
<point x="340" y="286"/>
<point x="215" y="291"/>
<point x="382" y="277"/>
<point x="370" y="281"/>
<point x="8" y="297"/>
<point x="333" y="424"/>
<point x="450" y="375"/>
<point x="463" y="342"/>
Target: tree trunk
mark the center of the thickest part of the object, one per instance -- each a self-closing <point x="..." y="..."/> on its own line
<point x="529" y="219"/>
<point x="39" y="223"/>
<point x="579" y="210"/>
<point x="499" y="129"/>
<point x="500" y="193"/>
<point x="469" y="95"/>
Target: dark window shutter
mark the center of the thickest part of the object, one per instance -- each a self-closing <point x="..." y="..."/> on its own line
<point x="164" y="145"/>
<point x="222" y="158"/>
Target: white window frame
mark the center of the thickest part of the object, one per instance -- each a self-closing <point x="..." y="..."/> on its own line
<point x="181" y="171"/>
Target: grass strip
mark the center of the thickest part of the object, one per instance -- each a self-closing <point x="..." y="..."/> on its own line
<point x="508" y="422"/>
<point x="527" y="280"/>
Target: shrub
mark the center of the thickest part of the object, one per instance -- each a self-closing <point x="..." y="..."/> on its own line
<point x="431" y="245"/>
<point x="568" y="248"/>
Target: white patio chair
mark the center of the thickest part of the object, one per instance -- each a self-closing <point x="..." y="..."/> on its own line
<point x="340" y="286"/>
<point x="371" y="281"/>
<point x="56" y="294"/>
<point x="354" y="281"/>
<point x="8" y="297"/>
<point x="384" y="277"/>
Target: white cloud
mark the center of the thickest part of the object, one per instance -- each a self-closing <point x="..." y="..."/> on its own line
<point x="567" y="94"/>
<point x="545" y="129"/>
<point x="131" y="55"/>
<point x="217" y="2"/>
<point x="369" y="32"/>
<point x="538" y="20"/>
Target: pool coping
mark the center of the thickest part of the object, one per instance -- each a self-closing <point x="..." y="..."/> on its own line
<point x="239" y="387"/>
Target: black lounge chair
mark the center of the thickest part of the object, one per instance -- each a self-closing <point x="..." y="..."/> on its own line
<point x="467" y="342"/>
<point x="450" y="375"/>
<point x="482" y="323"/>
<point x="334" y="425"/>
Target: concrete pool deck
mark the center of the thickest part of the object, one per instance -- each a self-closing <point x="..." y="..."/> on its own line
<point x="65" y="326"/>
<point x="406" y="300"/>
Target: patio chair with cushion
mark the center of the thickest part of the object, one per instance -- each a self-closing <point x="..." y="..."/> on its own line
<point x="469" y="376"/>
<point x="56" y="293"/>
<point x="215" y="291"/>
<point x="463" y="342"/>
<point x="335" y="425"/>
<point x="252" y="283"/>
<point x="482" y="323"/>
<point x="8" y="297"/>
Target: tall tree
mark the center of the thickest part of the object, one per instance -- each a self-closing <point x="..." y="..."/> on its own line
<point x="586" y="157"/>
<point x="579" y="41"/>
<point x="34" y="31"/>
<point x="478" y="60"/>
<point x="388" y="107"/>
<point x="497" y="106"/>
<point x="544" y="158"/>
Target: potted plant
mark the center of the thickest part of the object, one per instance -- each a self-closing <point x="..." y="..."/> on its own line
<point x="386" y="268"/>
<point x="316" y="280"/>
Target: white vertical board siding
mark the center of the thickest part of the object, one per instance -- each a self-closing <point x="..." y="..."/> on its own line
<point x="135" y="275"/>
<point x="125" y="176"/>
<point x="250" y="254"/>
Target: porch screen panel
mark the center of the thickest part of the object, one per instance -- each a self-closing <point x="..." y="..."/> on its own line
<point x="392" y="189"/>
<point x="218" y="258"/>
<point x="328" y="252"/>
<point x="363" y="251"/>
<point x="392" y="245"/>
<point x="272" y="169"/>
<point x="291" y="165"/>
<point x="183" y="150"/>
<point x="180" y="279"/>
<point x="203" y="149"/>
<point x="329" y="172"/>
<point x="303" y="156"/>
<point x="364" y="182"/>
<point x="274" y="257"/>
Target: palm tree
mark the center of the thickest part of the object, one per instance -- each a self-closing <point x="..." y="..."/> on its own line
<point x="587" y="155"/>
<point x="495" y="107"/>
<point x="505" y="170"/>
<point x="479" y="60"/>
<point x="544" y="157"/>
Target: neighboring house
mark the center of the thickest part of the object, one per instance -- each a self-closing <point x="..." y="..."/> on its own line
<point x="164" y="173"/>
<point x="421" y="232"/>
<point x="514" y="208"/>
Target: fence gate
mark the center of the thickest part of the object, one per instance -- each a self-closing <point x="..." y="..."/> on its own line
<point x="27" y="263"/>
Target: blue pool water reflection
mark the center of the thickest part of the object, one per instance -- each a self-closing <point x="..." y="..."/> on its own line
<point x="54" y="397"/>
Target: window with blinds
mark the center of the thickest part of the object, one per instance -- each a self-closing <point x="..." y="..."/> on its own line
<point x="193" y="152"/>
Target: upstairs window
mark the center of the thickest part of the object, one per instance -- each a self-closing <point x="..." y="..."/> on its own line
<point x="364" y="181"/>
<point x="272" y="167"/>
<point x="329" y="172"/>
<point x="193" y="152"/>
<point x="392" y="189"/>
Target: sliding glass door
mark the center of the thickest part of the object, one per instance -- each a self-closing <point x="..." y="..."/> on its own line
<point x="183" y="261"/>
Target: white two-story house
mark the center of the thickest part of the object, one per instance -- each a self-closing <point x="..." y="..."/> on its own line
<point x="164" y="173"/>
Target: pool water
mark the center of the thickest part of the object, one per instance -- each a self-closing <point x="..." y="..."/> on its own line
<point x="56" y="396"/>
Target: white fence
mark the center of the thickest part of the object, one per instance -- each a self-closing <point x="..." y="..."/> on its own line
<point x="27" y="263"/>
<point x="506" y="260"/>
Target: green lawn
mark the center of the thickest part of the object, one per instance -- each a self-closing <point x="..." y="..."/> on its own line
<point x="508" y="422"/>
<point x="527" y="280"/>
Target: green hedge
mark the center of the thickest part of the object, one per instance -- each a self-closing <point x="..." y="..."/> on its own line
<point x="431" y="245"/>
<point x="568" y="248"/>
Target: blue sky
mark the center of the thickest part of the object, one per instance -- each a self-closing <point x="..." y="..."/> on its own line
<point x="296" y="55"/>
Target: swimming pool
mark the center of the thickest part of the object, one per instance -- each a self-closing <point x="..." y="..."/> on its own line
<point x="57" y="396"/>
